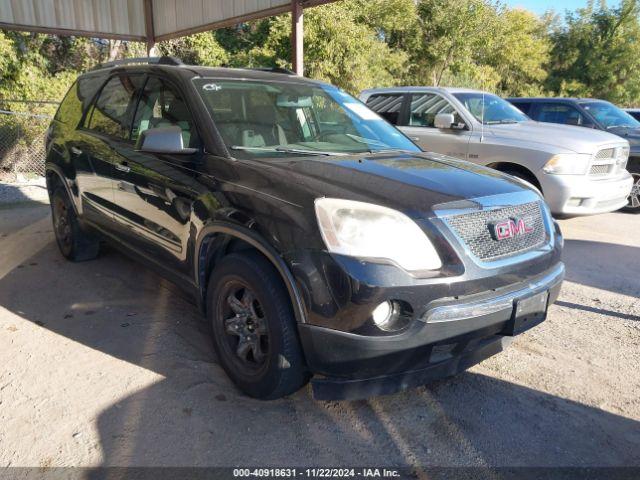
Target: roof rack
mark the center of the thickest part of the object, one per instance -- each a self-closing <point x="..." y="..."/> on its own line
<point x="286" y="71"/>
<point x="141" y="61"/>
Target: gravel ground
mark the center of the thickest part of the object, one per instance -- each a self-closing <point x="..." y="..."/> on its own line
<point x="106" y="364"/>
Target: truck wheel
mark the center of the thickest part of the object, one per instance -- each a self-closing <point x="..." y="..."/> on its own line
<point x="74" y="243"/>
<point x="634" y="198"/>
<point x="254" y="329"/>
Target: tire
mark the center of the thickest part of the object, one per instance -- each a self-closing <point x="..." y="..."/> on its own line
<point x="634" y="198"/>
<point x="529" y="179"/>
<point x="74" y="243"/>
<point x="254" y="329"/>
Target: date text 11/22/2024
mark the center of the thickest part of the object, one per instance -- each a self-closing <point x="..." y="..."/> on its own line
<point x="315" y="473"/>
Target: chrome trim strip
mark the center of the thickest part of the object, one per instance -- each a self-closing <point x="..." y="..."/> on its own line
<point x="452" y="313"/>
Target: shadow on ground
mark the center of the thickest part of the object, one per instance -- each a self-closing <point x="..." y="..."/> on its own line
<point x="12" y="194"/>
<point x="195" y="417"/>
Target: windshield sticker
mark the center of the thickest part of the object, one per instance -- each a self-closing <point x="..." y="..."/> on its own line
<point x="211" y="87"/>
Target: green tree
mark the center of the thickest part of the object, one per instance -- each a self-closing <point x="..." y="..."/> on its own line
<point x="340" y="47"/>
<point x="479" y="44"/>
<point x="198" y="49"/>
<point x="597" y="53"/>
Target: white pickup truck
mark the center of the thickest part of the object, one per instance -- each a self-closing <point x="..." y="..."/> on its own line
<point x="579" y="171"/>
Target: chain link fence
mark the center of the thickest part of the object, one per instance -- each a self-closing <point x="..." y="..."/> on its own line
<point x="23" y="127"/>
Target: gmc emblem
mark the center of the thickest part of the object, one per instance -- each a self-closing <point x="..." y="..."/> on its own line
<point x="513" y="227"/>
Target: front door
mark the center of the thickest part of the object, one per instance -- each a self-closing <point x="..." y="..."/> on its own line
<point x="155" y="192"/>
<point x="420" y="127"/>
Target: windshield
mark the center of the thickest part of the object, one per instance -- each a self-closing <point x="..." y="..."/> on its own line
<point x="275" y="119"/>
<point x="490" y="109"/>
<point x="610" y="116"/>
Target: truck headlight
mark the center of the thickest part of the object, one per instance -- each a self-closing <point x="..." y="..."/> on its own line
<point x="373" y="232"/>
<point x="568" y="164"/>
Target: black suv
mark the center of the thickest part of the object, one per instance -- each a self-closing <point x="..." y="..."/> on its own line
<point x="317" y="239"/>
<point x="591" y="113"/>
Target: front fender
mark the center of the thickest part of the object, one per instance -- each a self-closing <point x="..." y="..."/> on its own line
<point x="213" y="231"/>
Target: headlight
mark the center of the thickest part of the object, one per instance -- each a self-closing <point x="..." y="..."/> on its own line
<point x="568" y="164"/>
<point x="373" y="232"/>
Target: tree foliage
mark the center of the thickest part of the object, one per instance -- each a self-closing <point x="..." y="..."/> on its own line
<point x="597" y="53"/>
<point x="357" y="44"/>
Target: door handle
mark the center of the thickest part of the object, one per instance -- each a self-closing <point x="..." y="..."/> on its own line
<point x="123" y="167"/>
<point x="76" y="151"/>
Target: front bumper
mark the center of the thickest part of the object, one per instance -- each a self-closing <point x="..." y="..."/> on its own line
<point x="358" y="366"/>
<point x="574" y="195"/>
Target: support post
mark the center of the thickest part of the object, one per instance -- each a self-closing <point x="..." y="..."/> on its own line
<point x="149" y="28"/>
<point x="151" y="49"/>
<point x="297" y="37"/>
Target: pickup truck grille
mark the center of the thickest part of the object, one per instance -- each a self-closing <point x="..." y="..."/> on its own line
<point x="475" y="230"/>
<point x="606" y="153"/>
<point x="601" y="169"/>
<point x="609" y="161"/>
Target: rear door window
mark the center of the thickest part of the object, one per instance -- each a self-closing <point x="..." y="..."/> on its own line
<point x="425" y="107"/>
<point x="387" y="105"/>
<point x="112" y="112"/>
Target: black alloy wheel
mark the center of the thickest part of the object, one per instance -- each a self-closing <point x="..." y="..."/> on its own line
<point x="74" y="243"/>
<point x="254" y="328"/>
<point x="247" y="336"/>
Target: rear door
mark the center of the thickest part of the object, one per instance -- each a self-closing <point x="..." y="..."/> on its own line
<point x="154" y="193"/>
<point x="423" y="108"/>
<point x="98" y="147"/>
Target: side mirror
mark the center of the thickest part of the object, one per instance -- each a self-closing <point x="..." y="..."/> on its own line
<point x="444" y="120"/>
<point x="163" y="140"/>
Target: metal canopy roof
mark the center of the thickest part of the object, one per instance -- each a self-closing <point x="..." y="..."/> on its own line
<point x="142" y="20"/>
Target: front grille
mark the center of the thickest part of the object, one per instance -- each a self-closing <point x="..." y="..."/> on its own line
<point x="606" y="154"/>
<point x="600" y="169"/>
<point x="474" y="229"/>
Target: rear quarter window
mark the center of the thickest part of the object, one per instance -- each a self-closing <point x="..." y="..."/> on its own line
<point x="387" y="105"/>
<point x="78" y="99"/>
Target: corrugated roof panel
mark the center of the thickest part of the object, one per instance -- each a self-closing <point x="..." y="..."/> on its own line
<point x="126" y="18"/>
<point x="100" y="17"/>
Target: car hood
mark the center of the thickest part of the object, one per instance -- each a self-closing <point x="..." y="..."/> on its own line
<point x="565" y="137"/>
<point x="412" y="182"/>
<point x="632" y="135"/>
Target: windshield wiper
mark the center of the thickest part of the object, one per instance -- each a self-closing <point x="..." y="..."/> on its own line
<point x="293" y="151"/>
<point x="500" y="122"/>
<point x="368" y="141"/>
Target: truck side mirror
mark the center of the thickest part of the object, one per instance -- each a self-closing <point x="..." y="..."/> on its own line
<point x="444" y="120"/>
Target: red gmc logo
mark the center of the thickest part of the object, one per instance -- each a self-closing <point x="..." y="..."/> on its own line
<point x="510" y="228"/>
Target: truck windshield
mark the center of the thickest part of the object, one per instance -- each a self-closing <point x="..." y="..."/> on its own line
<point x="276" y="119"/>
<point x="610" y="116"/>
<point x="490" y="109"/>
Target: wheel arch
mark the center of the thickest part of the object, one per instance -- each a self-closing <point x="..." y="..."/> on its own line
<point x="216" y="241"/>
<point x="54" y="176"/>
<point x="506" y="166"/>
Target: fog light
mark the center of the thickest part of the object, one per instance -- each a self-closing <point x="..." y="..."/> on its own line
<point x="382" y="315"/>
